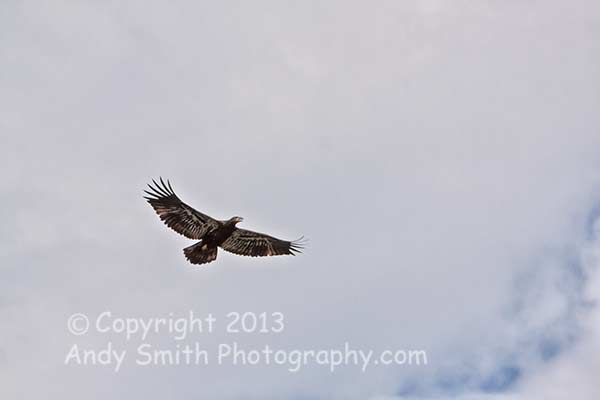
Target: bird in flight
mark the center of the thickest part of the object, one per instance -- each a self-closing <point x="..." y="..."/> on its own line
<point x="212" y="233"/>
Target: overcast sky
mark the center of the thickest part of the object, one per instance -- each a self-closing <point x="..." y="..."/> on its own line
<point x="441" y="156"/>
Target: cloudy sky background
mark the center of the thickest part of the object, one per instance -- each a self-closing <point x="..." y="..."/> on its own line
<point x="441" y="156"/>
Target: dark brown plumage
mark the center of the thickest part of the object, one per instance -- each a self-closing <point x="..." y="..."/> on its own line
<point x="211" y="232"/>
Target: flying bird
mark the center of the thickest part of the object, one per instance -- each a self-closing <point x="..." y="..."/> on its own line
<point x="212" y="233"/>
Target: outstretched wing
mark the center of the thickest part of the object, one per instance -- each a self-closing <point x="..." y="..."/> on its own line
<point x="254" y="244"/>
<point x="176" y="214"/>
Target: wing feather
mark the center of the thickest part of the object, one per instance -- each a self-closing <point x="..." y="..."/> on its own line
<point x="248" y="243"/>
<point x="177" y="215"/>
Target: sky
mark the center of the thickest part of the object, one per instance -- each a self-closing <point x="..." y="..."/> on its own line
<point x="440" y="156"/>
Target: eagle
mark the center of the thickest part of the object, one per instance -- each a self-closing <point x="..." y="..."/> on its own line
<point x="212" y="233"/>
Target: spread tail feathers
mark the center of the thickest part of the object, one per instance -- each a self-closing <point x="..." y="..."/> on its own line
<point x="199" y="254"/>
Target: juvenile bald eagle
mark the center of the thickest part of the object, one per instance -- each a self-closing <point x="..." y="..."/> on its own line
<point x="211" y="232"/>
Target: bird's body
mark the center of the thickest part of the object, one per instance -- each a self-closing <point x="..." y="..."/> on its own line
<point x="212" y="233"/>
<point x="216" y="237"/>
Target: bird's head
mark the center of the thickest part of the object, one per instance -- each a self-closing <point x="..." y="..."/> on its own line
<point x="236" y="220"/>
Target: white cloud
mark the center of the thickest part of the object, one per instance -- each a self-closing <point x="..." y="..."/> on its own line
<point x="573" y="375"/>
<point x="433" y="154"/>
